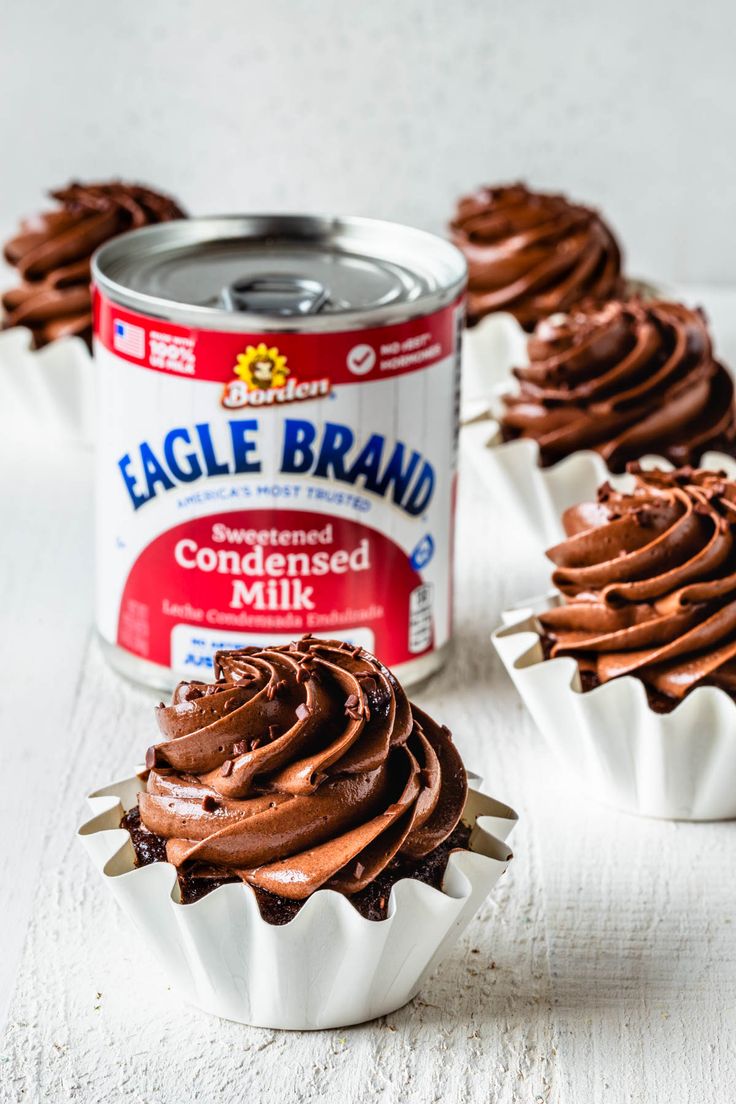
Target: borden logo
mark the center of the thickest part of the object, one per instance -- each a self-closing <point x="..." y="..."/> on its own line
<point x="263" y="379"/>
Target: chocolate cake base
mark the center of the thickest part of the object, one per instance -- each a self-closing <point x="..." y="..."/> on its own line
<point x="371" y="902"/>
<point x="658" y="703"/>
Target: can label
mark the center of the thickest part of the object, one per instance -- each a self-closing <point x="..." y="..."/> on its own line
<point x="256" y="487"/>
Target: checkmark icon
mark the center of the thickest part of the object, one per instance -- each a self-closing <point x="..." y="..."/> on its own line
<point x="361" y="359"/>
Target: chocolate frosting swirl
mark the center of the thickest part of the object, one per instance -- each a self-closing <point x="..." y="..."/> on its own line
<point x="301" y="767"/>
<point x="533" y="254"/>
<point x="52" y="253"/>
<point x="626" y="378"/>
<point x="650" y="582"/>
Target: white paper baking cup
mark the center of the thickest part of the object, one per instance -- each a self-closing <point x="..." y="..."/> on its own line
<point x="536" y="497"/>
<point x="510" y="471"/>
<point x="490" y="350"/>
<point x="678" y="766"/>
<point x="48" y="392"/>
<point x="329" y="966"/>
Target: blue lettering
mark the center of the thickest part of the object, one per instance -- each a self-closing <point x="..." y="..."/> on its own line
<point x="422" y="492"/>
<point x="369" y="463"/>
<point x="194" y="468"/>
<point x="299" y="437"/>
<point x="336" y="442"/>
<point x="242" y="447"/>
<point x="214" y="467"/>
<point x="137" y="499"/>
<point x="154" y="471"/>
<point x="189" y="454"/>
<point x="396" y="474"/>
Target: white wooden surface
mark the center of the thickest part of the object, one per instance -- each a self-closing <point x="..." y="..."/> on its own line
<point x="603" y="969"/>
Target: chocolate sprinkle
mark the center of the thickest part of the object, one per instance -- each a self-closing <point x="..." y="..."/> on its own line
<point x="274" y="689"/>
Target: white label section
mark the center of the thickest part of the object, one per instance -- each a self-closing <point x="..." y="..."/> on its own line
<point x="193" y="649"/>
<point x="420" y="618"/>
<point x="138" y="405"/>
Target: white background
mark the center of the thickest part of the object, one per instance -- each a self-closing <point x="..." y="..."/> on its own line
<point x="387" y="107"/>
<point x="604" y="968"/>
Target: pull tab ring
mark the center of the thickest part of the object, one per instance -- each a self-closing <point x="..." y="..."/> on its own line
<point x="275" y="294"/>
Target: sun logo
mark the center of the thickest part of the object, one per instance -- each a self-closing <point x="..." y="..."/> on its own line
<point x="261" y="367"/>
<point x="261" y="378"/>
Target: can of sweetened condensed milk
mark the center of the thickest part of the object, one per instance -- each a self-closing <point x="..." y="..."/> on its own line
<point x="276" y="440"/>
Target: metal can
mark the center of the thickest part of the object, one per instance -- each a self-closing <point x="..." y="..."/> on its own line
<point x="276" y="440"/>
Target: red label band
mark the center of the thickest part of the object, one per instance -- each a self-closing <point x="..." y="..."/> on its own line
<point x="277" y="360"/>
<point x="178" y="583"/>
<point x="273" y="573"/>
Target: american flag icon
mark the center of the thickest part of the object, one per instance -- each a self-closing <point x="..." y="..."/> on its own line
<point x="129" y="339"/>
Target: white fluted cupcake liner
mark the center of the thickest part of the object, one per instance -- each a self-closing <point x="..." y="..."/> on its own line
<point x="490" y="350"/>
<point x="536" y="497"/>
<point x="678" y="766"/>
<point x="46" y="393"/>
<point x="329" y="966"/>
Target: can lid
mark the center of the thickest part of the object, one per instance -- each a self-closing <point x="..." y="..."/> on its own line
<point x="280" y="271"/>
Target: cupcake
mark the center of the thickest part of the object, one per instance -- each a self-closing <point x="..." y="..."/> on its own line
<point x="606" y="384"/>
<point x="533" y="254"/>
<point x="649" y="580"/>
<point x="303" y="846"/>
<point x="624" y="378"/>
<point x="44" y="366"/>
<point x="52" y="254"/>
<point x="630" y="670"/>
